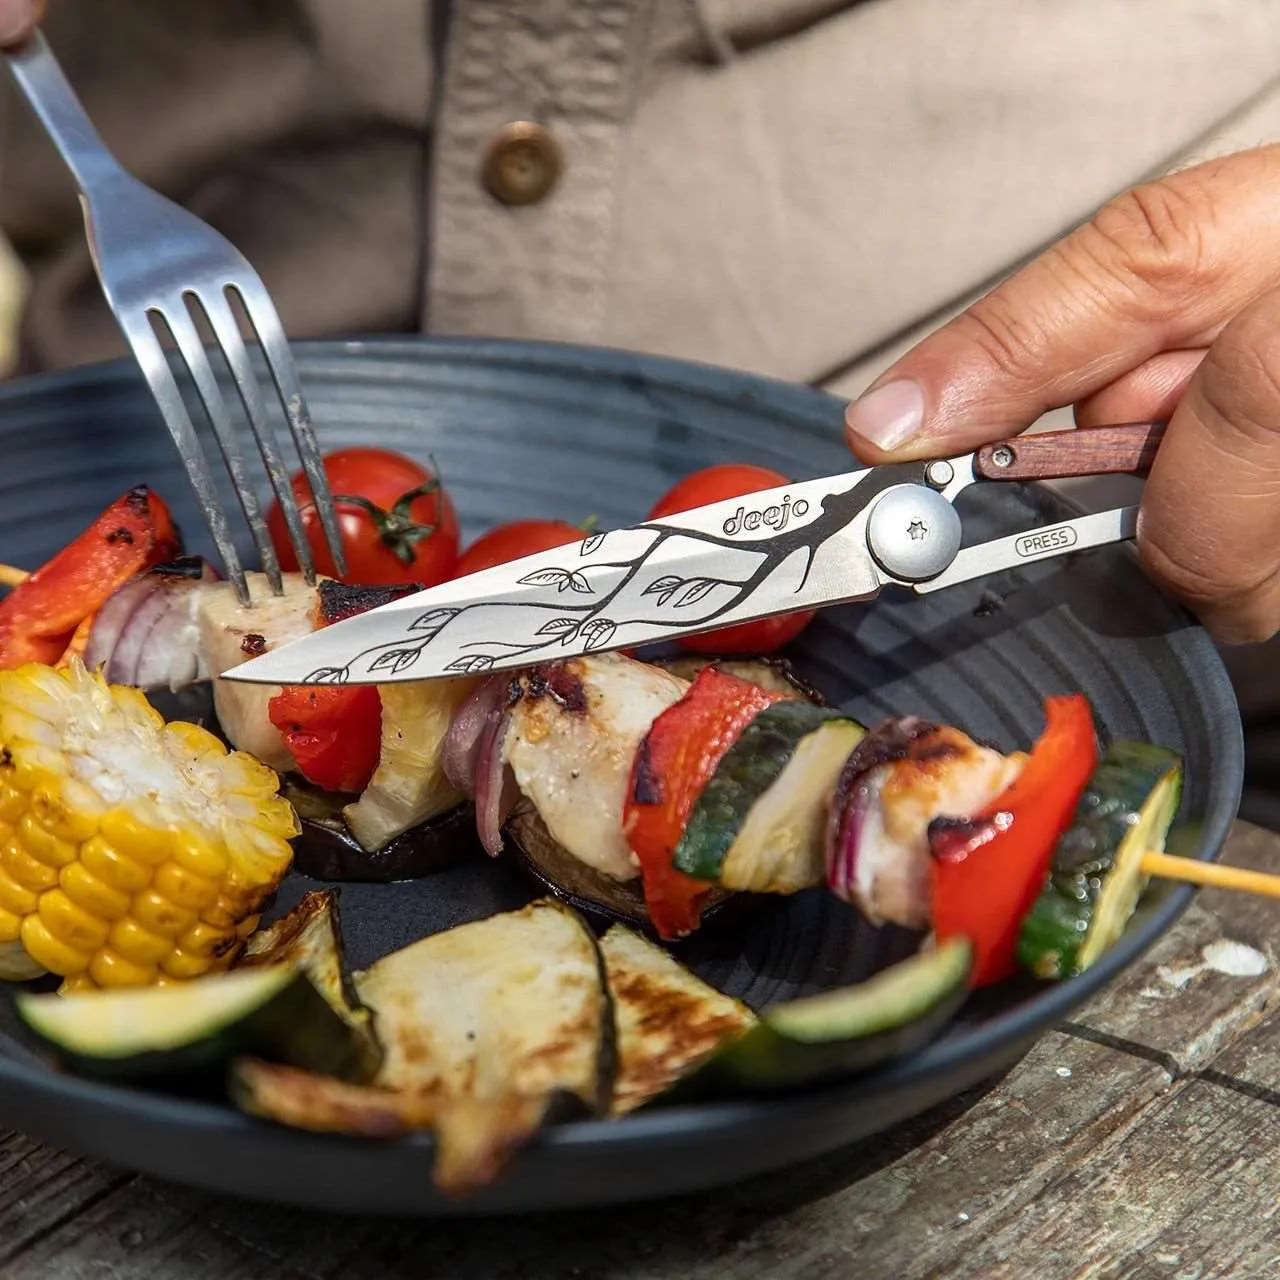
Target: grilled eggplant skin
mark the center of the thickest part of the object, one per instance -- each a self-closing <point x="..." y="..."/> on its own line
<point x="190" y="1033"/>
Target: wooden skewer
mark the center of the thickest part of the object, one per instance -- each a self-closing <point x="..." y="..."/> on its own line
<point x="1167" y="867"/>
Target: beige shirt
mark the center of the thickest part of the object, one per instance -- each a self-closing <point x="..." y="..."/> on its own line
<point x="794" y="187"/>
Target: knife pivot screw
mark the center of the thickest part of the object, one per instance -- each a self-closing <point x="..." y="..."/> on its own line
<point x="1002" y="457"/>
<point x="913" y="533"/>
<point x="940" y="474"/>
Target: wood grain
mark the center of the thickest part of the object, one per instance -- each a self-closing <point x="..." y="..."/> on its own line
<point x="1126" y="449"/>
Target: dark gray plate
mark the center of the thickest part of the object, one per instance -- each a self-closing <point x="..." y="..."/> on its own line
<point x="522" y="430"/>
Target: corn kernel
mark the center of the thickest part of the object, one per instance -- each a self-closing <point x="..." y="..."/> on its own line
<point x="48" y="951"/>
<point x="42" y="844"/>
<point x="25" y="870"/>
<point x="192" y="738"/>
<point x="206" y="940"/>
<point x="71" y="924"/>
<point x="13" y="897"/>
<point x="77" y="984"/>
<point x="140" y="945"/>
<point x="183" y="888"/>
<point x="109" y="969"/>
<point x="33" y="765"/>
<point x="221" y="914"/>
<point x="87" y="891"/>
<point x="10" y="926"/>
<point x="13" y="804"/>
<point x="183" y="966"/>
<point x="199" y="856"/>
<point x="71" y="813"/>
<point x="139" y="840"/>
<point x="158" y="913"/>
<point x="113" y="867"/>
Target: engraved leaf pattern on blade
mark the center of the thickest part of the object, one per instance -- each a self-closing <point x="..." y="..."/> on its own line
<point x="591" y="544"/>
<point x="328" y="675"/>
<point x="561" y="579"/>
<point x="430" y="623"/>
<point x="582" y="616"/>
<point x="396" y="660"/>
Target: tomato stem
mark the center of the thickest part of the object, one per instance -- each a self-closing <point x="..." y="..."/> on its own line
<point x="399" y="532"/>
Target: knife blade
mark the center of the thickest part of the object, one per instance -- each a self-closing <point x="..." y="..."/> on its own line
<point x="797" y="546"/>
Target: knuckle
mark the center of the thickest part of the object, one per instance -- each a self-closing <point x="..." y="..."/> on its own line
<point x="1158" y="238"/>
<point x="1009" y="340"/>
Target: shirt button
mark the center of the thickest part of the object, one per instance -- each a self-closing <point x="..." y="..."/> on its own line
<point x="522" y="164"/>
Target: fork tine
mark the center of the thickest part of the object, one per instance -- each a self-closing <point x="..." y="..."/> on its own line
<point x="155" y="368"/>
<point x="222" y="320"/>
<point x="275" y="347"/>
<point x="185" y="334"/>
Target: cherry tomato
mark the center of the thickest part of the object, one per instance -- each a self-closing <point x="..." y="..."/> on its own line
<point x="398" y="524"/>
<point x="511" y="541"/>
<point x="715" y="484"/>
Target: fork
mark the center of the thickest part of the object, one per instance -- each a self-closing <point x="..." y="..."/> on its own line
<point x="157" y="262"/>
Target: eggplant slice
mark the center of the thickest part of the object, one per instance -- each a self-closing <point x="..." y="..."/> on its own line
<point x="327" y="850"/>
<point x="486" y="1027"/>
<point x="668" y="1020"/>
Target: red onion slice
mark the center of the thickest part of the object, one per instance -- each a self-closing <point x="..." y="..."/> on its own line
<point x="495" y="789"/>
<point x="146" y="634"/>
<point x="461" y="747"/>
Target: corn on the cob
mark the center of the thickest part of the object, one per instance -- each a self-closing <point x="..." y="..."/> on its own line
<point x="131" y="851"/>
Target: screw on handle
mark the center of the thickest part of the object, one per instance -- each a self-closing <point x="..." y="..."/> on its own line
<point x="1126" y="449"/>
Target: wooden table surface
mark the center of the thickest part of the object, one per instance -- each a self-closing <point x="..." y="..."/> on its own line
<point x="1140" y="1141"/>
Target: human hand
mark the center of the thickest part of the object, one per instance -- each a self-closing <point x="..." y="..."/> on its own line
<point x="18" y="19"/>
<point x="1166" y="305"/>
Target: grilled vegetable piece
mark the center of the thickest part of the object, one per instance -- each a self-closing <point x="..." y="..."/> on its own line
<point x="309" y="938"/>
<point x="837" y="1033"/>
<point x="195" y="1030"/>
<point x="130" y="850"/>
<point x="668" y="1020"/>
<point x="409" y="786"/>
<point x="485" y="1027"/>
<point x="1096" y="878"/>
<point x="573" y="734"/>
<point x="327" y="850"/>
<point x="40" y="616"/>
<point x="333" y="733"/>
<point x="230" y="634"/>
<point x="988" y="870"/>
<point x="772" y="674"/>
<point x="146" y="635"/>
<point x="759" y="823"/>
<point x="672" y="766"/>
<point x="898" y="779"/>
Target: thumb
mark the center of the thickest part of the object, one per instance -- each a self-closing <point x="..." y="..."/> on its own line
<point x="18" y="19"/>
<point x="1162" y="267"/>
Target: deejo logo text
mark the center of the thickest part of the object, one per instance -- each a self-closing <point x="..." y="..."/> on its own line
<point x="775" y="517"/>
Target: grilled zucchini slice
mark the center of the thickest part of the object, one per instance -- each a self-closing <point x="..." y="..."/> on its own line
<point x="1096" y="879"/>
<point x="192" y="1030"/>
<point x="760" y="823"/>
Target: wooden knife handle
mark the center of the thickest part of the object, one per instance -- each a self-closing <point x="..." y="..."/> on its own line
<point x="1126" y="449"/>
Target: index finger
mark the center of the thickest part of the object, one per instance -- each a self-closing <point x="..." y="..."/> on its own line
<point x="1163" y="266"/>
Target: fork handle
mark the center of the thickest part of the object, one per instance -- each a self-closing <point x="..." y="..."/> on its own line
<point x="1126" y="449"/>
<point x="52" y="98"/>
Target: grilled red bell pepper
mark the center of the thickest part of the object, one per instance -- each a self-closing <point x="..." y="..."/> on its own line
<point x="334" y="732"/>
<point x="987" y="870"/>
<point x="39" y="617"/>
<point x="675" y="761"/>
